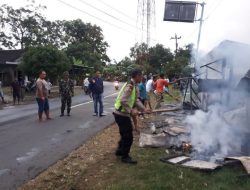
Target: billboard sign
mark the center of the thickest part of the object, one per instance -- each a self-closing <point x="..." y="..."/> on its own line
<point x="180" y="11"/>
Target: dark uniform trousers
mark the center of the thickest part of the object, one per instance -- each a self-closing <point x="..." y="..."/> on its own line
<point x="126" y="132"/>
<point x="66" y="100"/>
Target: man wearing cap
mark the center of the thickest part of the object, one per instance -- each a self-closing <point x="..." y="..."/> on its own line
<point x="66" y="89"/>
<point x="126" y="101"/>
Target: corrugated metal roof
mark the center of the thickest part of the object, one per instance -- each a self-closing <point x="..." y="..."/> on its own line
<point x="10" y="55"/>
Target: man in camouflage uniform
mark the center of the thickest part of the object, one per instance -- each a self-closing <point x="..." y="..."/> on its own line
<point x="66" y="89"/>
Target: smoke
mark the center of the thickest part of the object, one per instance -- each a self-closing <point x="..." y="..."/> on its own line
<point x="224" y="129"/>
<point x="214" y="136"/>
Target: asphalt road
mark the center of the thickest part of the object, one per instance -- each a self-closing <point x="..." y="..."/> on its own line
<point x="28" y="147"/>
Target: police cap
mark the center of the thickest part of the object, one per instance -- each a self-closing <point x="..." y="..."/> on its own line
<point x="135" y="72"/>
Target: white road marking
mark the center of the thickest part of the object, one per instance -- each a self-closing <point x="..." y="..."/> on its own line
<point x="92" y="101"/>
<point x="4" y="171"/>
<point x="29" y="155"/>
<point x="111" y="95"/>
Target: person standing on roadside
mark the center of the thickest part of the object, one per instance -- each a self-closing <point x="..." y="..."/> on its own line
<point x="16" y="89"/>
<point x="42" y="96"/>
<point x="1" y="92"/>
<point x="66" y="90"/>
<point x="125" y="104"/>
<point x="86" y="85"/>
<point x="49" y="86"/>
<point x="96" y="89"/>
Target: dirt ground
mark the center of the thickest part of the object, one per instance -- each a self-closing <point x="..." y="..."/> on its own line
<point x="84" y="167"/>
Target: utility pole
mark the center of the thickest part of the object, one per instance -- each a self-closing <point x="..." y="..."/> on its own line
<point x="200" y="28"/>
<point x="176" y="38"/>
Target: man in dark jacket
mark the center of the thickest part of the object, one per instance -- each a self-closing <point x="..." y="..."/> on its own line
<point x="96" y="89"/>
<point x="16" y="87"/>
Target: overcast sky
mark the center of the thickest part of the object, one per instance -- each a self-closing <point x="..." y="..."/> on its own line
<point x="224" y="19"/>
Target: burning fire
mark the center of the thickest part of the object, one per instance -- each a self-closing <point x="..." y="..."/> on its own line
<point x="186" y="147"/>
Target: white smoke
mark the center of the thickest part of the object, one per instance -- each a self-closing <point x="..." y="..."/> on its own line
<point x="223" y="130"/>
<point x="213" y="135"/>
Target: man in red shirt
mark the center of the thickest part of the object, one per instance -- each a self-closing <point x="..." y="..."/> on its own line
<point x="159" y="90"/>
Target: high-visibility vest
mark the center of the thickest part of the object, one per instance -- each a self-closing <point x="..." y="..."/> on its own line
<point x="131" y="100"/>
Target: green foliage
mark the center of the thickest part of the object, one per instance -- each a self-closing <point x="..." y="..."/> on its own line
<point x="139" y="53"/>
<point x="160" y="56"/>
<point x="180" y="66"/>
<point x="47" y="58"/>
<point x="27" y="27"/>
<point x="20" y="27"/>
<point x="86" y="43"/>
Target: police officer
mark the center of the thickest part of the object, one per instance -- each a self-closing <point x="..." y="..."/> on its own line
<point x="66" y="89"/>
<point x="126" y="101"/>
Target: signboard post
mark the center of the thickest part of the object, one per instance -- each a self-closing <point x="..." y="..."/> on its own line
<point x="184" y="11"/>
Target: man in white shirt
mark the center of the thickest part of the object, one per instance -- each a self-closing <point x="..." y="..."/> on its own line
<point x="150" y="89"/>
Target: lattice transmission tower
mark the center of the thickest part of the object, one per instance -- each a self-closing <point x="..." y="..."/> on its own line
<point x="145" y="20"/>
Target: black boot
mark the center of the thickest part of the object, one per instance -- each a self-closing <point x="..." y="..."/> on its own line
<point x="68" y="112"/>
<point x="118" y="153"/>
<point x="128" y="160"/>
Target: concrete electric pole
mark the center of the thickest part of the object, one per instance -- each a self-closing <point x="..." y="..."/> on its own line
<point x="176" y="38"/>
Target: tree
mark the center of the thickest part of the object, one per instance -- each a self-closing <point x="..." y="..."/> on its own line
<point x="20" y="27"/>
<point x="139" y="53"/>
<point x="53" y="34"/>
<point x="181" y="66"/>
<point x="86" y="43"/>
<point x="160" y="57"/>
<point x="125" y="62"/>
<point x="47" y="58"/>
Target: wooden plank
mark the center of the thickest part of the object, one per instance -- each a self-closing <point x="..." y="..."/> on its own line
<point x="244" y="160"/>
<point x="179" y="160"/>
<point x="201" y="165"/>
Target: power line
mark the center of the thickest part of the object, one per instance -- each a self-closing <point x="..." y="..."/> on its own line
<point x="213" y="7"/>
<point x="80" y="10"/>
<point x="218" y="4"/>
<point x="90" y="5"/>
<point x="102" y="20"/>
<point x="115" y="9"/>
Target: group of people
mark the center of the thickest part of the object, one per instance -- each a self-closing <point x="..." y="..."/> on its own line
<point x="157" y="86"/>
<point x="18" y="88"/>
<point x="132" y="100"/>
<point x="66" y="91"/>
<point x="16" y="91"/>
